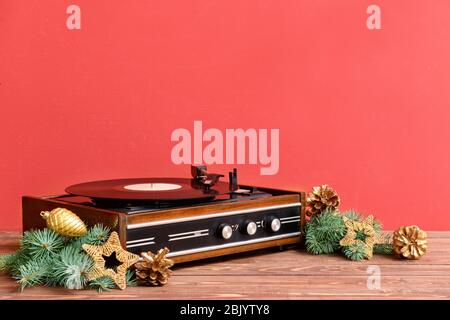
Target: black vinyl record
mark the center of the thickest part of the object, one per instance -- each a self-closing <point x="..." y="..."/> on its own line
<point x="147" y="189"/>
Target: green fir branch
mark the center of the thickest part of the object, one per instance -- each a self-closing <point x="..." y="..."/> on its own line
<point x="7" y="261"/>
<point x="323" y="232"/>
<point x="385" y="247"/>
<point x="352" y="214"/>
<point x="42" y="244"/>
<point x="96" y="235"/>
<point x="32" y="273"/>
<point x="71" y="268"/>
<point x="131" y="278"/>
<point x="48" y="258"/>
<point x="20" y="259"/>
<point x="102" y="284"/>
<point x="355" y="252"/>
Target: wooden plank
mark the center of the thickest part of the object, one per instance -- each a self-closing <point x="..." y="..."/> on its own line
<point x="255" y="287"/>
<point x="290" y="274"/>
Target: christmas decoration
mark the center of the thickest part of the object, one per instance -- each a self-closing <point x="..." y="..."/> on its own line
<point x="64" y="222"/>
<point x="354" y="215"/>
<point x="357" y="237"/>
<point x="154" y="269"/>
<point x="324" y="231"/>
<point x="105" y="283"/>
<point x="356" y="251"/>
<point x="97" y="235"/>
<point x="68" y="254"/>
<point x="410" y="242"/>
<point x="42" y="243"/>
<point x="384" y="245"/>
<point x="359" y="234"/>
<point x="325" y="234"/>
<point x="98" y="254"/>
<point x="321" y="198"/>
<point x="48" y="258"/>
<point x="71" y="268"/>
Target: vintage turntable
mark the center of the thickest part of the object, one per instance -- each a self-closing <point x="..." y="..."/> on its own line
<point x="195" y="218"/>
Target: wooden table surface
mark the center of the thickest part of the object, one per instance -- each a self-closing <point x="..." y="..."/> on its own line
<point x="271" y="274"/>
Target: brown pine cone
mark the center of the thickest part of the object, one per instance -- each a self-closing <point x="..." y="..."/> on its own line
<point x="410" y="242"/>
<point x="321" y="198"/>
<point x="153" y="270"/>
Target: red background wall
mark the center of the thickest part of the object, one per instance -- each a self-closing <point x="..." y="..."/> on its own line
<point x="364" y="111"/>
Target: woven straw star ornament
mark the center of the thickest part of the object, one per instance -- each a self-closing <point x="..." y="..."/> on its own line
<point x="111" y="246"/>
<point x="357" y="228"/>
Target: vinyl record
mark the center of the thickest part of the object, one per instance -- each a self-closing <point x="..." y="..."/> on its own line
<point x="151" y="189"/>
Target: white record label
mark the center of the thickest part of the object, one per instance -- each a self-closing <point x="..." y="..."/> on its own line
<point x="152" y="186"/>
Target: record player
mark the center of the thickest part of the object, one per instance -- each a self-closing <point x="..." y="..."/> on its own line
<point x="196" y="218"/>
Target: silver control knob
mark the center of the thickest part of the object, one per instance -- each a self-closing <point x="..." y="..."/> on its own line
<point x="274" y="224"/>
<point x="225" y="231"/>
<point x="250" y="228"/>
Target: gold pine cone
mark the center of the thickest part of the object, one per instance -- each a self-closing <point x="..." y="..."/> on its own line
<point x="410" y="242"/>
<point x="154" y="269"/>
<point x="321" y="198"/>
<point x="64" y="222"/>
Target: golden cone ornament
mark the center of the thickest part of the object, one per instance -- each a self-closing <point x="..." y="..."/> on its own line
<point x="321" y="198"/>
<point x="154" y="270"/>
<point x="410" y="242"/>
<point x="64" y="222"/>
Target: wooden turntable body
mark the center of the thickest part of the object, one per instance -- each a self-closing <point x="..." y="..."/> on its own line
<point x="191" y="232"/>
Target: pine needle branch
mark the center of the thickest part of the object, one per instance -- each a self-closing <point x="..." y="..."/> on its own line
<point x="70" y="269"/>
<point x="96" y="235"/>
<point x="131" y="278"/>
<point x="323" y="232"/>
<point x="7" y="261"/>
<point x="42" y="244"/>
<point x="32" y="273"/>
<point x="102" y="284"/>
<point x="355" y="252"/>
<point x="385" y="247"/>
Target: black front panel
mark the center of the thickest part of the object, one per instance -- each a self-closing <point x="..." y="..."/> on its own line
<point x="205" y="234"/>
